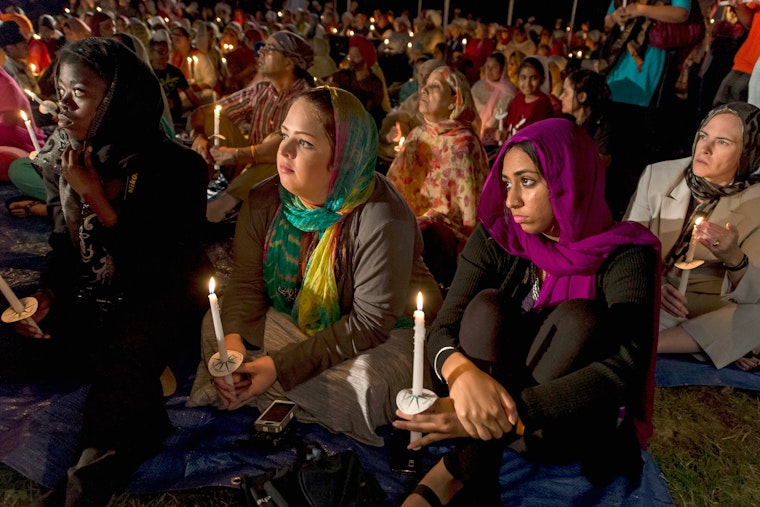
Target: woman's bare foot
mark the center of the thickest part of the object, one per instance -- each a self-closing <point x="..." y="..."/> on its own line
<point x="27" y="207"/>
<point x="442" y="484"/>
<point x="749" y="362"/>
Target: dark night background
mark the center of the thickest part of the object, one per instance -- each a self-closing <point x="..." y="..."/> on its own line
<point x="545" y="11"/>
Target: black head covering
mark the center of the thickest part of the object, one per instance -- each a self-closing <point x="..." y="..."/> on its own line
<point x="749" y="162"/>
<point x="128" y="118"/>
<point x="10" y="33"/>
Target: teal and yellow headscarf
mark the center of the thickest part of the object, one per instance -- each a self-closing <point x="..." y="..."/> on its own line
<point x="314" y="303"/>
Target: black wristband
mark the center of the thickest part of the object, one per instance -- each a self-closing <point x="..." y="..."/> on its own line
<point x="743" y="264"/>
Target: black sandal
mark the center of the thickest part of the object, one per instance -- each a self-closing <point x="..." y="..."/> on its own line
<point x="30" y="203"/>
<point x="428" y="495"/>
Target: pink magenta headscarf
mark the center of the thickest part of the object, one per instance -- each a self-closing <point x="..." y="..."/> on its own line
<point x="575" y="176"/>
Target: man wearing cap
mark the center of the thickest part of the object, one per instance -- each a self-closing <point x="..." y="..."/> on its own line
<point x="258" y="111"/>
<point x="359" y="78"/>
<point x="16" y="49"/>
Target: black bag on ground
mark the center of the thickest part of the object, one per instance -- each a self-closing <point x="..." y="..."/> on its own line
<point x="322" y="481"/>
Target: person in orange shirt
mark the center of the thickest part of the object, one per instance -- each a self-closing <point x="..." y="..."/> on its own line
<point x="735" y="85"/>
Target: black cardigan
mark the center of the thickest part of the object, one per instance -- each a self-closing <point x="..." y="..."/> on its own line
<point x="626" y="286"/>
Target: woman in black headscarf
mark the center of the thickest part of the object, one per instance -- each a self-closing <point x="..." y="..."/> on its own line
<point x="123" y="289"/>
<point x="718" y="309"/>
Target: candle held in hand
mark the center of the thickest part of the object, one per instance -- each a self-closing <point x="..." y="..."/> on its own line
<point x="217" y="318"/>
<point x="217" y="120"/>
<point x="30" y="129"/>
<point x="224" y="360"/>
<point x="689" y="264"/>
<point x="419" y="356"/>
<point x="18" y="307"/>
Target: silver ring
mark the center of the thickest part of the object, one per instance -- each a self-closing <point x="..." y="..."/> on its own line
<point x="716" y="243"/>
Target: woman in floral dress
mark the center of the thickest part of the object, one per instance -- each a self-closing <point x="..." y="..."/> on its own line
<point x="441" y="168"/>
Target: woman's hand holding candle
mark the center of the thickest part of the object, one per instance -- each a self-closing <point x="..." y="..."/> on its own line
<point x="439" y="422"/>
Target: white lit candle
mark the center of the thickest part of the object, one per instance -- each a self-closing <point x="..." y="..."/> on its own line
<point x="689" y="258"/>
<point x="30" y="129"/>
<point x="419" y="347"/>
<point x="218" y="330"/>
<point x="16" y="305"/>
<point x="33" y="67"/>
<point x="419" y="353"/>
<point x="33" y="96"/>
<point x="190" y="70"/>
<point x="217" y="118"/>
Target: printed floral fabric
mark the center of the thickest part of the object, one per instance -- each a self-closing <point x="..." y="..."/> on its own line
<point x="440" y="171"/>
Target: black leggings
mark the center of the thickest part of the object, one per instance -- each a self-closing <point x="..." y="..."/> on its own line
<point x="519" y="350"/>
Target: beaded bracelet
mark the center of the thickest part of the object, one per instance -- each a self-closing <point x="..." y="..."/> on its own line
<point x="743" y="264"/>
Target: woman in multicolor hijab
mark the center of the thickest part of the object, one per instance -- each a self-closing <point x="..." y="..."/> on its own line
<point x="327" y="259"/>
<point x="546" y="337"/>
<point x="441" y="168"/>
<point x="123" y="289"/>
<point x="717" y="311"/>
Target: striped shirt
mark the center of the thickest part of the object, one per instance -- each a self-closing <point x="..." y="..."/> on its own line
<point x="259" y="109"/>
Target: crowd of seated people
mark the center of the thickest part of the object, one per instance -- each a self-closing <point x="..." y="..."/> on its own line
<point x="296" y="115"/>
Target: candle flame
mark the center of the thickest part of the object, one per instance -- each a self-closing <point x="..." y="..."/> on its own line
<point x="217" y="109"/>
<point x="408" y="44"/>
<point x="211" y="285"/>
<point x="401" y="141"/>
<point x="189" y="60"/>
<point x="387" y="41"/>
<point x="23" y="115"/>
<point x="464" y="42"/>
<point x="195" y="59"/>
<point x="33" y="67"/>
<point x="371" y="27"/>
<point x="419" y="301"/>
<point x="698" y="221"/>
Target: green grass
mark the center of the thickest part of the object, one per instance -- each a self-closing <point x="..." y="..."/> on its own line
<point x="706" y="442"/>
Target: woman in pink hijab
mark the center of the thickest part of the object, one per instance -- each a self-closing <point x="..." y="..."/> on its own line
<point x="547" y="336"/>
